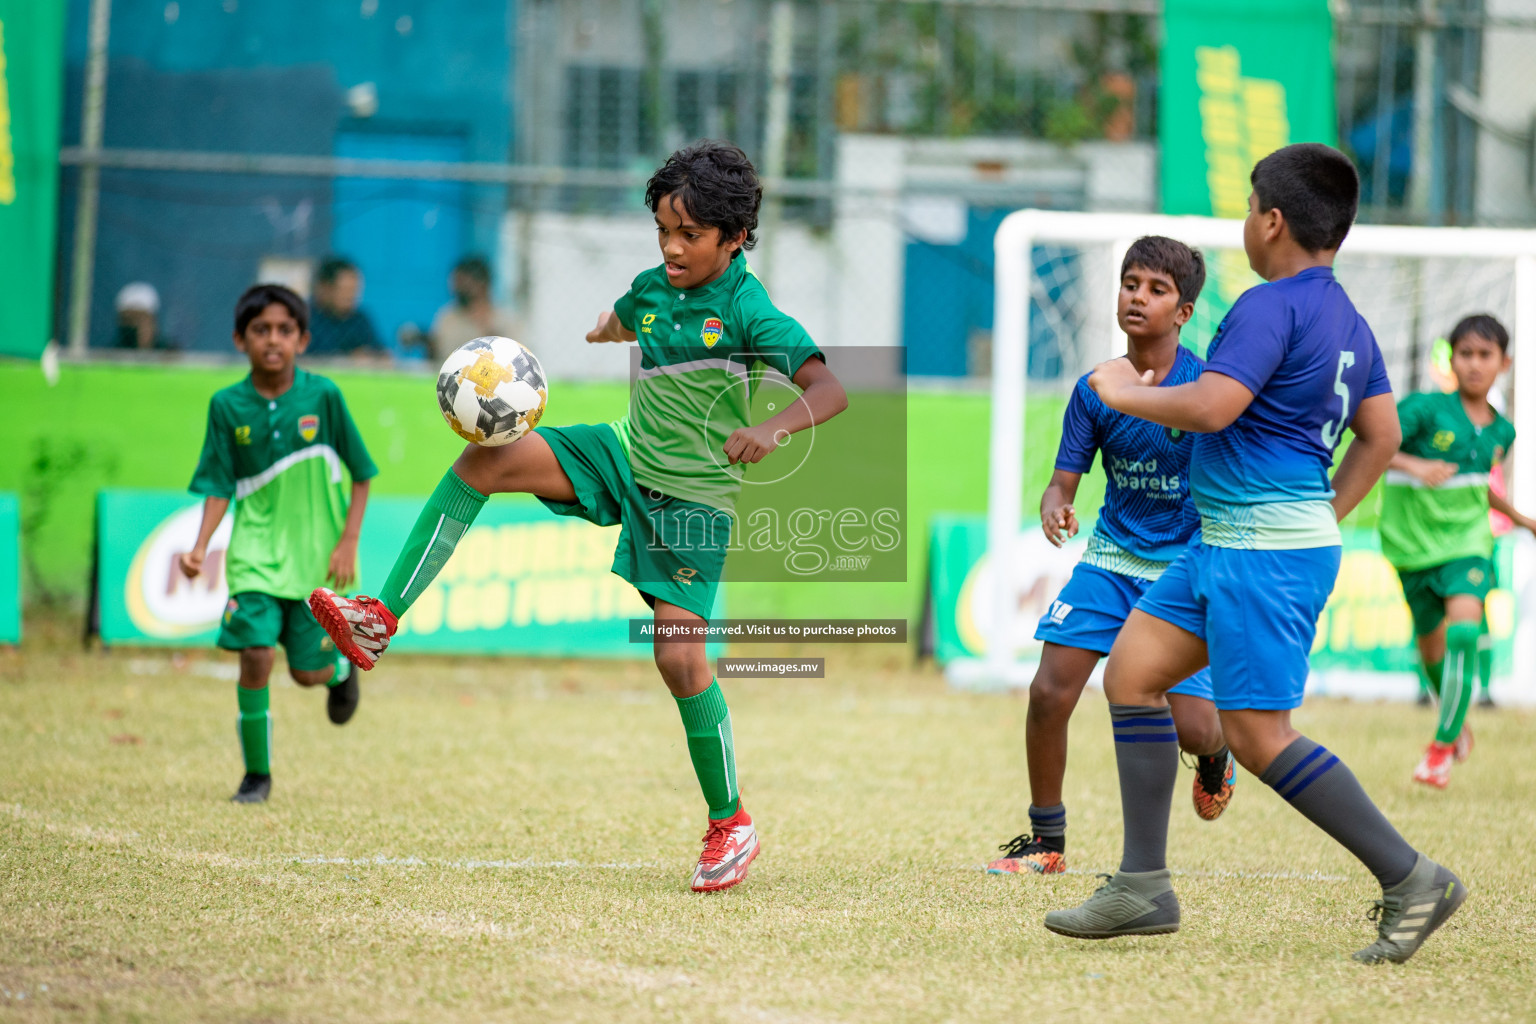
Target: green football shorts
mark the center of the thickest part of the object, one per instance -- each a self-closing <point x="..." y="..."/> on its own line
<point x="669" y="549"/>
<point x="1426" y="589"/>
<point x="254" y="619"/>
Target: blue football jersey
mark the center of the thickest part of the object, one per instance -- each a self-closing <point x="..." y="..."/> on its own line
<point x="1309" y="358"/>
<point x="1147" y="516"/>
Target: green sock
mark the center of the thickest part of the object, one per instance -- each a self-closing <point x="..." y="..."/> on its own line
<point x="255" y="724"/>
<point x="1485" y="658"/>
<point x="1430" y="676"/>
<point x="448" y="513"/>
<point x="1457" y="683"/>
<point x="707" y="721"/>
<point x="338" y="672"/>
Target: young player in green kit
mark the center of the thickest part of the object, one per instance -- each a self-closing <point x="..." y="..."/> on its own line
<point x="276" y="443"/>
<point x="669" y="472"/>
<point x="1435" y="530"/>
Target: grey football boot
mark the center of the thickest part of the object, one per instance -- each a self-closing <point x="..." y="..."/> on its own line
<point x="1128" y="903"/>
<point x="1411" y="910"/>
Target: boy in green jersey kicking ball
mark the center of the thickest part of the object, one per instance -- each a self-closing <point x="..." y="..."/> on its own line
<point x="669" y="472"/>
<point x="276" y="443"/>
<point x="1435" y="531"/>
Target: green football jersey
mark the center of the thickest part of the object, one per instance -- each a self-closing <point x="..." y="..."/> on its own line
<point x="281" y="460"/>
<point x="698" y="349"/>
<point x="1422" y="525"/>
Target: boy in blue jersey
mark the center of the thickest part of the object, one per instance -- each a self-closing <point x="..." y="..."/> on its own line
<point x="1145" y="522"/>
<point x="1292" y="367"/>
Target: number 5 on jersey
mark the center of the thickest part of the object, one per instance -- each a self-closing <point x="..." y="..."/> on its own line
<point x="1333" y="431"/>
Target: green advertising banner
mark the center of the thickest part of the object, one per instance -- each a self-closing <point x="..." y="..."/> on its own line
<point x="1366" y="626"/>
<point x="10" y="569"/>
<point x="1237" y="82"/>
<point x="31" y="90"/>
<point x="522" y="581"/>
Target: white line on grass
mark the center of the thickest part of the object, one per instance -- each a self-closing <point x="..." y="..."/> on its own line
<point x="467" y="865"/>
<point x="1282" y="876"/>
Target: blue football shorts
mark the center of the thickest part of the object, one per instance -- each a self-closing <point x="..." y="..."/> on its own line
<point x="1256" y="611"/>
<point x="1090" y="610"/>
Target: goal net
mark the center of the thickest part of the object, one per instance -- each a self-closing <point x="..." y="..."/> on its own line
<point x="1056" y="280"/>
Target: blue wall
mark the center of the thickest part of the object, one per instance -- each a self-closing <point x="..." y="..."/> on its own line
<point x="271" y="76"/>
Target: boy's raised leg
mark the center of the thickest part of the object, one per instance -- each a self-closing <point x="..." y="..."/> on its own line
<point x="362" y="626"/>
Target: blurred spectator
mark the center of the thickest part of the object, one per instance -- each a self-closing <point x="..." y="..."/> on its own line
<point x="337" y="326"/>
<point x="138" y="323"/>
<point x="471" y="314"/>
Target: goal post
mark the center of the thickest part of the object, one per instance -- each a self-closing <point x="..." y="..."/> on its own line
<point x="1056" y="275"/>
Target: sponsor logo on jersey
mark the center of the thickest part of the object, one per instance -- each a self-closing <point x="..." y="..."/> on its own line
<point x="242" y="435"/>
<point x="309" y="426"/>
<point x="1059" y="612"/>
<point x="1443" y="440"/>
<point x="712" y="331"/>
<point x="685" y="576"/>
<point x="1176" y="435"/>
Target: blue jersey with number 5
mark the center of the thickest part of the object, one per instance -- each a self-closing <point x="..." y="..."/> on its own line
<point x="1309" y="358"/>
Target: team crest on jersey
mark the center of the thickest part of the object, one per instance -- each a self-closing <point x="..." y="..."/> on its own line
<point x="230" y="609"/>
<point x="713" y="330"/>
<point x="1475" y="577"/>
<point x="242" y="435"/>
<point x="309" y="426"/>
<point x="1443" y="440"/>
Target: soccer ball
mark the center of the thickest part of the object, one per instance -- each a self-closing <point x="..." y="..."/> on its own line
<point x="492" y="391"/>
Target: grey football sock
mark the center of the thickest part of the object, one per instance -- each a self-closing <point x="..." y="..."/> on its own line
<point x="1147" y="756"/>
<point x="1322" y="787"/>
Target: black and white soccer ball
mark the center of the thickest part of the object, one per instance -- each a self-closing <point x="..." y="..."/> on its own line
<point x="492" y="391"/>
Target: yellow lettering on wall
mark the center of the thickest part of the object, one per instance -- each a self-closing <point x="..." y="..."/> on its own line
<point x="7" y="151"/>
<point x="1241" y="121"/>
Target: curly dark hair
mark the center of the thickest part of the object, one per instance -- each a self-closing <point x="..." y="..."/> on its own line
<point x="258" y="297"/>
<point x="716" y="184"/>
<point x="1164" y="255"/>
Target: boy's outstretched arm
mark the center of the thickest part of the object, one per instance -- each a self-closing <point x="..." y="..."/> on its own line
<point x="1377" y="437"/>
<point x="1501" y="505"/>
<point x="1057" y="516"/>
<point x="1433" y="472"/>
<point x="213" y="515"/>
<point x="821" y="397"/>
<point x="610" y="328"/>
<point x="343" y="569"/>
<point x="1202" y="406"/>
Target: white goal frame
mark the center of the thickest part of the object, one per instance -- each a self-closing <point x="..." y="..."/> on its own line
<point x="1013" y="244"/>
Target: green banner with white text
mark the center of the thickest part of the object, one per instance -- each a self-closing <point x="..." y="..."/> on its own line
<point x="31" y="90"/>
<point x="522" y="580"/>
<point x="1237" y="82"/>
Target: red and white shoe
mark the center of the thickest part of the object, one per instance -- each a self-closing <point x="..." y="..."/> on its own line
<point x="1462" y="748"/>
<point x="730" y="846"/>
<point x="360" y="626"/>
<point x="1435" y="769"/>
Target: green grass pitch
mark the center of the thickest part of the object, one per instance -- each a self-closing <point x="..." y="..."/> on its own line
<point x="508" y="840"/>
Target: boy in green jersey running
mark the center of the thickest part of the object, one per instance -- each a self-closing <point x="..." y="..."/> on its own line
<point x="277" y="443"/>
<point x="1434" y="526"/>
<point x="668" y="473"/>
